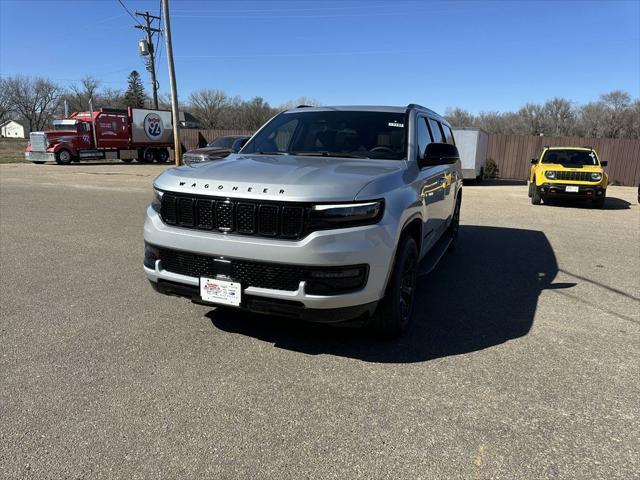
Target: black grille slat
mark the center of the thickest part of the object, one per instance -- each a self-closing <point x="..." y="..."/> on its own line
<point x="205" y="211"/>
<point x="245" y="217"/>
<point x="168" y="209"/>
<point x="254" y="274"/>
<point x="268" y="220"/>
<point x="292" y="221"/>
<point x="186" y="213"/>
<point x="224" y="216"/>
<point x="574" y="176"/>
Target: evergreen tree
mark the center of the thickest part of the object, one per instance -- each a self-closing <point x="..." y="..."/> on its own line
<point x="135" y="95"/>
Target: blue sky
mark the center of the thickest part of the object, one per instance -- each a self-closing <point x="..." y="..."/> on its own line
<point x="482" y="56"/>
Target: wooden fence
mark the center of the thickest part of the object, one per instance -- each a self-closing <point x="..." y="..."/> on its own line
<point x="513" y="154"/>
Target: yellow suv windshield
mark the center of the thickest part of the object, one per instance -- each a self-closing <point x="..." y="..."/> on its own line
<point x="570" y="157"/>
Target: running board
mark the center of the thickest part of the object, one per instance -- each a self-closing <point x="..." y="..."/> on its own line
<point x="433" y="257"/>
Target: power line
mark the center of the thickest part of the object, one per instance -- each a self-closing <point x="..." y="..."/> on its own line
<point x="129" y="12"/>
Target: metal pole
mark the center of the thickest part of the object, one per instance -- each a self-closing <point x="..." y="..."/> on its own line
<point x="152" y="62"/>
<point x="172" y="81"/>
<point x="93" y="124"/>
<point x="66" y="108"/>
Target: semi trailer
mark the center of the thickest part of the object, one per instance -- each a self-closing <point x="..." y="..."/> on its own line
<point x="109" y="133"/>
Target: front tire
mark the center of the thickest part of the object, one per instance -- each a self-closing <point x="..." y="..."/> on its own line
<point x="38" y="162"/>
<point x="597" y="202"/>
<point x="63" y="157"/>
<point x="396" y="308"/>
<point x="536" y="199"/>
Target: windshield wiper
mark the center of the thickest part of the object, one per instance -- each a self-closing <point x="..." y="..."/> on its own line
<point x="273" y="153"/>
<point x="324" y="153"/>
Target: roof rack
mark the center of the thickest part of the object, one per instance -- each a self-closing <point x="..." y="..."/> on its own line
<point x="415" y="105"/>
<point x="545" y="146"/>
<point x="304" y="106"/>
<point x="587" y="146"/>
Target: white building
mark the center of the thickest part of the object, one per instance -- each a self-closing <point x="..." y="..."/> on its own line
<point x="11" y="129"/>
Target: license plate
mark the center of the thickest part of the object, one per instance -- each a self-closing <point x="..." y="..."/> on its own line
<point x="572" y="188"/>
<point x="217" y="290"/>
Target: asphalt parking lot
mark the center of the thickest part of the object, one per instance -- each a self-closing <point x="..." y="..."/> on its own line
<point x="523" y="361"/>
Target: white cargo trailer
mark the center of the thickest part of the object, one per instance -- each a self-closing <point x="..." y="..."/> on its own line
<point x="472" y="144"/>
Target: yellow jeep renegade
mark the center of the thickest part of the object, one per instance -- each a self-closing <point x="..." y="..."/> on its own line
<point x="568" y="172"/>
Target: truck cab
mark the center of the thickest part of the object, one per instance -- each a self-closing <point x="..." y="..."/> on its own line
<point x="62" y="143"/>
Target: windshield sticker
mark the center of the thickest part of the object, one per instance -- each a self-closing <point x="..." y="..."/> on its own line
<point x="396" y="124"/>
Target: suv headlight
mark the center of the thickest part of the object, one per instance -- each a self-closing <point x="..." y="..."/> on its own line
<point x="550" y="174"/>
<point x="596" y="177"/>
<point x="156" y="201"/>
<point x="345" y="214"/>
<point x="193" y="159"/>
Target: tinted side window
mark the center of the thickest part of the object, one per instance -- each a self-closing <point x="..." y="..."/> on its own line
<point x="436" y="131"/>
<point x="448" y="134"/>
<point x="424" y="138"/>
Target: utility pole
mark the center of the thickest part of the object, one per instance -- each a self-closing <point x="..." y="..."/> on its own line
<point x="172" y="80"/>
<point x="150" y="51"/>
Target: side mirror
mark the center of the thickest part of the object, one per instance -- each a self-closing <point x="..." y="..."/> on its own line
<point x="439" y="154"/>
<point x="534" y="161"/>
<point x="604" y="163"/>
<point x="238" y="144"/>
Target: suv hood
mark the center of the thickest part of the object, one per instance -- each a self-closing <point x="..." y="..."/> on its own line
<point x="210" y="151"/>
<point x="279" y="177"/>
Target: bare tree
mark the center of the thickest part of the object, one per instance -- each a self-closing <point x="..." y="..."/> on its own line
<point x="79" y="95"/>
<point x="559" y="117"/>
<point x="311" y="102"/>
<point x="207" y="106"/>
<point x="531" y="119"/>
<point x="34" y="99"/>
<point x="459" y="117"/>
<point x="5" y="101"/>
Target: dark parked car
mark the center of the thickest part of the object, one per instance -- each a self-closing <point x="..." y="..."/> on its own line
<point x="219" y="148"/>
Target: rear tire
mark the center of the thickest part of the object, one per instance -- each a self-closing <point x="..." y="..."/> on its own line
<point x="38" y="163"/>
<point x="454" y="226"/>
<point x="530" y="192"/>
<point x="396" y="308"/>
<point x="63" y="157"/>
<point x="127" y="160"/>
<point x="148" y="155"/>
<point x="162" y="155"/>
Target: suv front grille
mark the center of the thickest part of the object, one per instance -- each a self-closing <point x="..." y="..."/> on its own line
<point x="275" y="276"/>
<point x="256" y="274"/>
<point x="575" y="176"/>
<point x="246" y="217"/>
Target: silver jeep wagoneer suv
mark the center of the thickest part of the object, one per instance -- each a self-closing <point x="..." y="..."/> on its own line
<point x="325" y="214"/>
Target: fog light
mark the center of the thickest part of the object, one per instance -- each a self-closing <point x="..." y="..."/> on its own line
<point x="335" y="281"/>
<point x="151" y="255"/>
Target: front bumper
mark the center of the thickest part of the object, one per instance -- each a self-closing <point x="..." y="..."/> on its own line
<point x="373" y="245"/>
<point x="39" y="156"/>
<point x="559" y="190"/>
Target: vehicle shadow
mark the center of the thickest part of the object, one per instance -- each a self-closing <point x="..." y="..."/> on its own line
<point x="483" y="294"/>
<point x="610" y="203"/>
<point x="495" y="182"/>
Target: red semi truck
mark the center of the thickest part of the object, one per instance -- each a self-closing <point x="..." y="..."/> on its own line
<point x="110" y="133"/>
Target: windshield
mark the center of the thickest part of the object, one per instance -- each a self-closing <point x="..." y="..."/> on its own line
<point x="64" y="126"/>
<point x="222" y="142"/>
<point x="570" y="157"/>
<point x="333" y="133"/>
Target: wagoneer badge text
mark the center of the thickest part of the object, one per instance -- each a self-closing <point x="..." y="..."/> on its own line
<point x="235" y="188"/>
